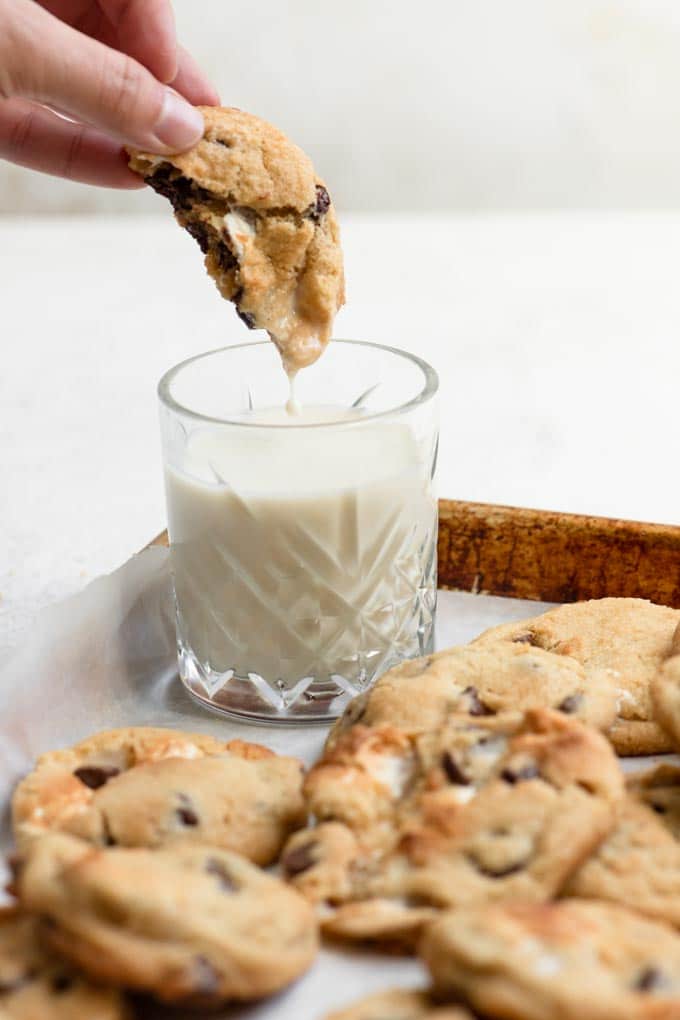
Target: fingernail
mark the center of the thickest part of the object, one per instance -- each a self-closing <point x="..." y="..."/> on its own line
<point x="180" y="125"/>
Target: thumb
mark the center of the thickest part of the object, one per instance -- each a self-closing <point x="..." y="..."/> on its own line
<point x="45" y="60"/>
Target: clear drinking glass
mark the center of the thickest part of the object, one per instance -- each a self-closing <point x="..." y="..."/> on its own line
<point x="303" y="555"/>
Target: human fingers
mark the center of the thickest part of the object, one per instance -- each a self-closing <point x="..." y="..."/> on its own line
<point x="145" y="29"/>
<point x="36" y="138"/>
<point x="192" y="83"/>
<point x="45" y="60"/>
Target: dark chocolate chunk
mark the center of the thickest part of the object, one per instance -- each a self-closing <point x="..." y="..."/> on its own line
<point x="219" y="870"/>
<point x="500" y="871"/>
<point x="109" y="839"/>
<point x="247" y="317"/>
<point x="199" y="232"/>
<point x="477" y="706"/>
<point x="185" y="812"/>
<point x="529" y="771"/>
<point x="571" y="704"/>
<point x="226" y="259"/>
<point x="61" y="983"/>
<point x="95" y="776"/>
<point x="176" y="189"/>
<point x="300" y="859"/>
<point x="323" y="201"/>
<point x="650" y="979"/>
<point x="453" y="770"/>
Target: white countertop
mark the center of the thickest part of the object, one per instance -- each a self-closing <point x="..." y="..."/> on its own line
<point x="556" y="336"/>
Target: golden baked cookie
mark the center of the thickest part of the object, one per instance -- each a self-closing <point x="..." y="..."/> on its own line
<point x="150" y="787"/>
<point x="490" y="809"/>
<point x="37" y="985"/>
<point x="638" y="864"/>
<point x="266" y="224"/>
<point x="192" y="924"/>
<point x="573" y="960"/>
<point x="632" y="637"/>
<point x="481" y="680"/>
<point x="666" y="693"/>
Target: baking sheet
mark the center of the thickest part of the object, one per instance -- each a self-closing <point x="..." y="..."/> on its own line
<point x="106" y="658"/>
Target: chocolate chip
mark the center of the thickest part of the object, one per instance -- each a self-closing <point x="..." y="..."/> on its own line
<point x="650" y="979"/>
<point x="300" y="859"/>
<point x="204" y="977"/>
<point x="226" y="259"/>
<point x="199" y="232"/>
<point x="523" y="639"/>
<point x="109" y="839"/>
<point x="219" y="870"/>
<point x="477" y="706"/>
<point x="185" y="812"/>
<point x="571" y="704"/>
<point x="247" y="317"/>
<point x="453" y="770"/>
<point x="94" y="776"/>
<point x="496" y="871"/>
<point x="176" y="189"/>
<point x="510" y="869"/>
<point x="322" y="204"/>
<point x="513" y="776"/>
<point x="61" y="983"/>
<point x="660" y="809"/>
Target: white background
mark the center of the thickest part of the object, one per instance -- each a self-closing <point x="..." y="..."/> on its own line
<point x="444" y="104"/>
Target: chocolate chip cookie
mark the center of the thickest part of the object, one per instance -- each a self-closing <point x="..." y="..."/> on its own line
<point x="150" y="787"/>
<point x="666" y="693"/>
<point x="399" y="1004"/>
<point x="571" y="960"/>
<point x="638" y="864"/>
<point x="632" y="637"/>
<point x="191" y="924"/>
<point x="481" y="681"/>
<point x="266" y="224"/>
<point x="490" y="809"/>
<point x="36" y="985"/>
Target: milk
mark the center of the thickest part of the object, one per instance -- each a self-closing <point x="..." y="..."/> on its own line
<point x="302" y="552"/>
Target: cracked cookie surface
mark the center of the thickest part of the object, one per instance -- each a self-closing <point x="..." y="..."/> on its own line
<point x="570" y="960"/>
<point x="149" y="787"/>
<point x="36" y="985"/>
<point x="632" y="637"/>
<point x="265" y="223"/>
<point x="479" y="681"/>
<point x="490" y="809"/>
<point x="196" y="925"/>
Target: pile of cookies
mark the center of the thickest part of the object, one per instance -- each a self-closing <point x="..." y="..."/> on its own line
<point x="470" y="808"/>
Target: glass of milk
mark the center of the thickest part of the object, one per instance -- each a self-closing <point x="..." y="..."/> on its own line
<point x="303" y="527"/>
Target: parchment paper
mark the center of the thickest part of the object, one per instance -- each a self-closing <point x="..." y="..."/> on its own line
<point x="106" y="658"/>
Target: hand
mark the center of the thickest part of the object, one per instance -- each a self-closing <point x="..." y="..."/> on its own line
<point x="106" y="67"/>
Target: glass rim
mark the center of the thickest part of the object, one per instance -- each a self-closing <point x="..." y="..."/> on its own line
<point x="428" y="391"/>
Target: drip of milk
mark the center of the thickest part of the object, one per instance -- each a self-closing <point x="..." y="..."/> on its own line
<point x="293" y="408"/>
